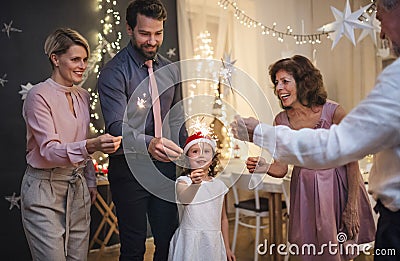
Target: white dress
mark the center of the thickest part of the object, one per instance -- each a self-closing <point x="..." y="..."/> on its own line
<point x="199" y="236"/>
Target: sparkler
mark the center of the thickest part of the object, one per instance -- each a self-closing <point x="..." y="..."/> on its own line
<point x="199" y="126"/>
<point x="141" y="103"/>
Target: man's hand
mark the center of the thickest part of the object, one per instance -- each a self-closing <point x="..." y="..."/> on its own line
<point x="243" y="128"/>
<point x="164" y="150"/>
<point x="257" y="165"/>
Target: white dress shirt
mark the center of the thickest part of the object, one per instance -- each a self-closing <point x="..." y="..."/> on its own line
<point x="373" y="127"/>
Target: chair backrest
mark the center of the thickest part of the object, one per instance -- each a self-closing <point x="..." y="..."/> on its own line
<point x="247" y="182"/>
<point x="286" y="187"/>
<point x="286" y="192"/>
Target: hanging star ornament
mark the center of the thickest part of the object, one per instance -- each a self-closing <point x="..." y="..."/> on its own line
<point x="376" y="28"/>
<point x="3" y="80"/>
<point x="8" y="28"/>
<point x="225" y="74"/>
<point x="171" y="52"/>
<point x="228" y="59"/>
<point x="13" y="201"/>
<point x="24" y="90"/>
<point x="227" y="69"/>
<point x="227" y="66"/>
<point x="345" y="24"/>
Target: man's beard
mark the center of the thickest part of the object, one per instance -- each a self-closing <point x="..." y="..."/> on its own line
<point x="147" y="55"/>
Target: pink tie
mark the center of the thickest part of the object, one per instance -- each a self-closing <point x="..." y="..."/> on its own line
<point x="156" y="101"/>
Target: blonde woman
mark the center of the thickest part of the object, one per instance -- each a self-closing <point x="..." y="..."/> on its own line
<point x="59" y="183"/>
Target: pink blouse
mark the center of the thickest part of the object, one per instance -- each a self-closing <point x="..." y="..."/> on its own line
<point x="55" y="137"/>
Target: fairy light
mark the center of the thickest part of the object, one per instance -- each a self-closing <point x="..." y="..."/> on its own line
<point x="108" y="43"/>
<point x="368" y="12"/>
<point x="204" y="50"/>
<point x="108" y="39"/>
<point x="300" y="38"/>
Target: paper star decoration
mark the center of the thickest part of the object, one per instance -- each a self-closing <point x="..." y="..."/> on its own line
<point x="228" y="59"/>
<point x="345" y="24"/>
<point x="225" y="73"/>
<point x="171" y="52"/>
<point x="13" y="201"/>
<point x="7" y="29"/>
<point x="3" y="80"/>
<point x="227" y="67"/>
<point x="25" y="89"/>
<point x="375" y="28"/>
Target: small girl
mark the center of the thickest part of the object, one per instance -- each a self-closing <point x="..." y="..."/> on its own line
<point x="203" y="233"/>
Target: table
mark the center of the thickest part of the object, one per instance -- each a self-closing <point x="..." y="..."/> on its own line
<point x="108" y="218"/>
<point x="273" y="187"/>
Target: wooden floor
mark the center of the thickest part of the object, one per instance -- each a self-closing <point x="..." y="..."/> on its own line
<point x="244" y="248"/>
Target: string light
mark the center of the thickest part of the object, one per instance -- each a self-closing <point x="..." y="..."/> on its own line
<point x="204" y="49"/>
<point x="302" y="38"/>
<point x="369" y="11"/>
<point x="108" y="43"/>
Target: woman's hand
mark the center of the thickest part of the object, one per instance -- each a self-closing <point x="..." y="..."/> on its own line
<point x="105" y="143"/>
<point x="350" y="215"/>
<point x="351" y="221"/>
<point x="93" y="194"/>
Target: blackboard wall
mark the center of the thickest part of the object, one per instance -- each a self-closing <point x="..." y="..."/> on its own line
<point x="23" y="61"/>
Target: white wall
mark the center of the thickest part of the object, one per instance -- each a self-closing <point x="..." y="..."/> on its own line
<point x="349" y="72"/>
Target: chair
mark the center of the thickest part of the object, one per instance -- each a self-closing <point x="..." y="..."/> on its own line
<point x="108" y="217"/>
<point x="256" y="207"/>
<point x="286" y="195"/>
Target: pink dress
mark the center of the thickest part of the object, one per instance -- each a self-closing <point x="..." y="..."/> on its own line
<point x="317" y="201"/>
